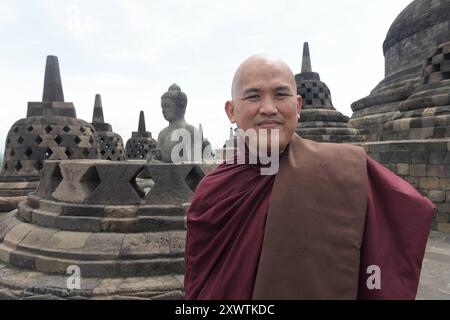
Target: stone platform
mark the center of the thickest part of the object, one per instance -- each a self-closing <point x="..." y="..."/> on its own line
<point x="126" y="239"/>
<point x="16" y="283"/>
<point x="435" y="277"/>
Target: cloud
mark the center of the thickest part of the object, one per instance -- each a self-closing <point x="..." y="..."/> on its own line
<point x="80" y="26"/>
<point x="8" y="12"/>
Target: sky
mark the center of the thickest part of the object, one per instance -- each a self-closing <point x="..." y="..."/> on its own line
<point x="131" y="51"/>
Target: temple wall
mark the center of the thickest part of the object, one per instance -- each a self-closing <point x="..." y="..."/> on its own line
<point x="425" y="165"/>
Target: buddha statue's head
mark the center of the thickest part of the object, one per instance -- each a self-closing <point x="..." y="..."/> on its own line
<point x="173" y="103"/>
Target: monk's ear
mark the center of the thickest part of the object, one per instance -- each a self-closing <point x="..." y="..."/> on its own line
<point x="229" y="109"/>
<point x="299" y="104"/>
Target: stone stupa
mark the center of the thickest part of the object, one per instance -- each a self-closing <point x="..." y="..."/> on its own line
<point x="406" y="117"/>
<point x="141" y="141"/>
<point x="110" y="143"/>
<point x="50" y="131"/>
<point x="411" y="40"/>
<point x="319" y="120"/>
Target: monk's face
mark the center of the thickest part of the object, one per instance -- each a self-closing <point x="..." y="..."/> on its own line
<point x="265" y="97"/>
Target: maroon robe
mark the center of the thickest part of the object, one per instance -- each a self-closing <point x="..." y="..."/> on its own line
<point x="226" y="229"/>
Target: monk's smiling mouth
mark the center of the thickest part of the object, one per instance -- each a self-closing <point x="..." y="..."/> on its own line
<point x="269" y="124"/>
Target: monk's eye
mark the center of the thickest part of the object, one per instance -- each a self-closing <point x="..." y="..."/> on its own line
<point x="252" y="98"/>
<point x="282" y="95"/>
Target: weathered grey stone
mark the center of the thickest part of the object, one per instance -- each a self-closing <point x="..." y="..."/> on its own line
<point x="78" y="298"/>
<point x="387" y="157"/>
<point x="25" y="213"/>
<point x="161" y="210"/>
<point x="69" y="209"/>
<point x="443" y="218"/>
<point x="436" y="171"/>
<point x="402" y="156"/>
<point x="100" y="269"/>
<point x="437" y="158"/>
<point x="51" y="265"/>
<point x="33" y="200"/>
<point x="115" y="184"/>
<point x="80" y="179"/>
<point x="43" y="297"/>
<point x="85" y="224"/>
<point x="170" y="184"/>
<point x="8" y="204"/>
<point x="5" y="253"/>
<point x="156" y="284"/>
<point x="144" y="245"/>
<point x="379" y="147"/>
<point x="436" y="146"/>
<point x="22" y="260"/>
<point x="107" y="287"/>
<point x="7" y="222"/>
<point x="419" y="157"/>
<point x="6" y="294"/>
<point x="120" y="211"/>
<point x="44" y="219"/>
<point x="66" y="240"/>
<point x="418" y="170"/>
<point x="120" y="225"/>
<point x="160" y="223"/>
<point x="429" y="183"/>
<point x="17" y="234"/>
<point x="402" y="169"/>
<point x="436" y="195"/>
<point x="105" y="243"/>
<point x="444" y="183"/>
<point x="37" y="238"/>
<point x="48" y="283"/>
<point x="177" y="242"/>
<point x="443" y="227"/>
<point x="153" y="267"/>
<point x="174" y="295"/>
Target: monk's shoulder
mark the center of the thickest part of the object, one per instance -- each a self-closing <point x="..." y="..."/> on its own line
<point x="213" y="179"/>
<point x="332" y="152"/>
<point x="212" y="187"/>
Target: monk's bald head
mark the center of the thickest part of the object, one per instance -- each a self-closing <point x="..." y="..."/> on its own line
<point x="257" y="66"/>
<point x="265" y="100"/>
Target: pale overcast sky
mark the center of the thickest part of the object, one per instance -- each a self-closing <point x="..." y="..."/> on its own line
<point x="131" y="51"/>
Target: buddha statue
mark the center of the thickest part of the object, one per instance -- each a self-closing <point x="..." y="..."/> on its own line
<point x="171" y="139"/>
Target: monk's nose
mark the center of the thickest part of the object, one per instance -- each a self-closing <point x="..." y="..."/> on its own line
<point x="268" y="107"/>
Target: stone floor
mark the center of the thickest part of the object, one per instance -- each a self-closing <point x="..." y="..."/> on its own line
<point x="434" y="283"/>
<point x="435" y="277"/>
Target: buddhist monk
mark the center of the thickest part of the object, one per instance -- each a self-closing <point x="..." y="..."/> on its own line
<point x="332" y="223"/>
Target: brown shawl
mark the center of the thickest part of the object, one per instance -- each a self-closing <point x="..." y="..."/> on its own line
<point x="315" y="224"/>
